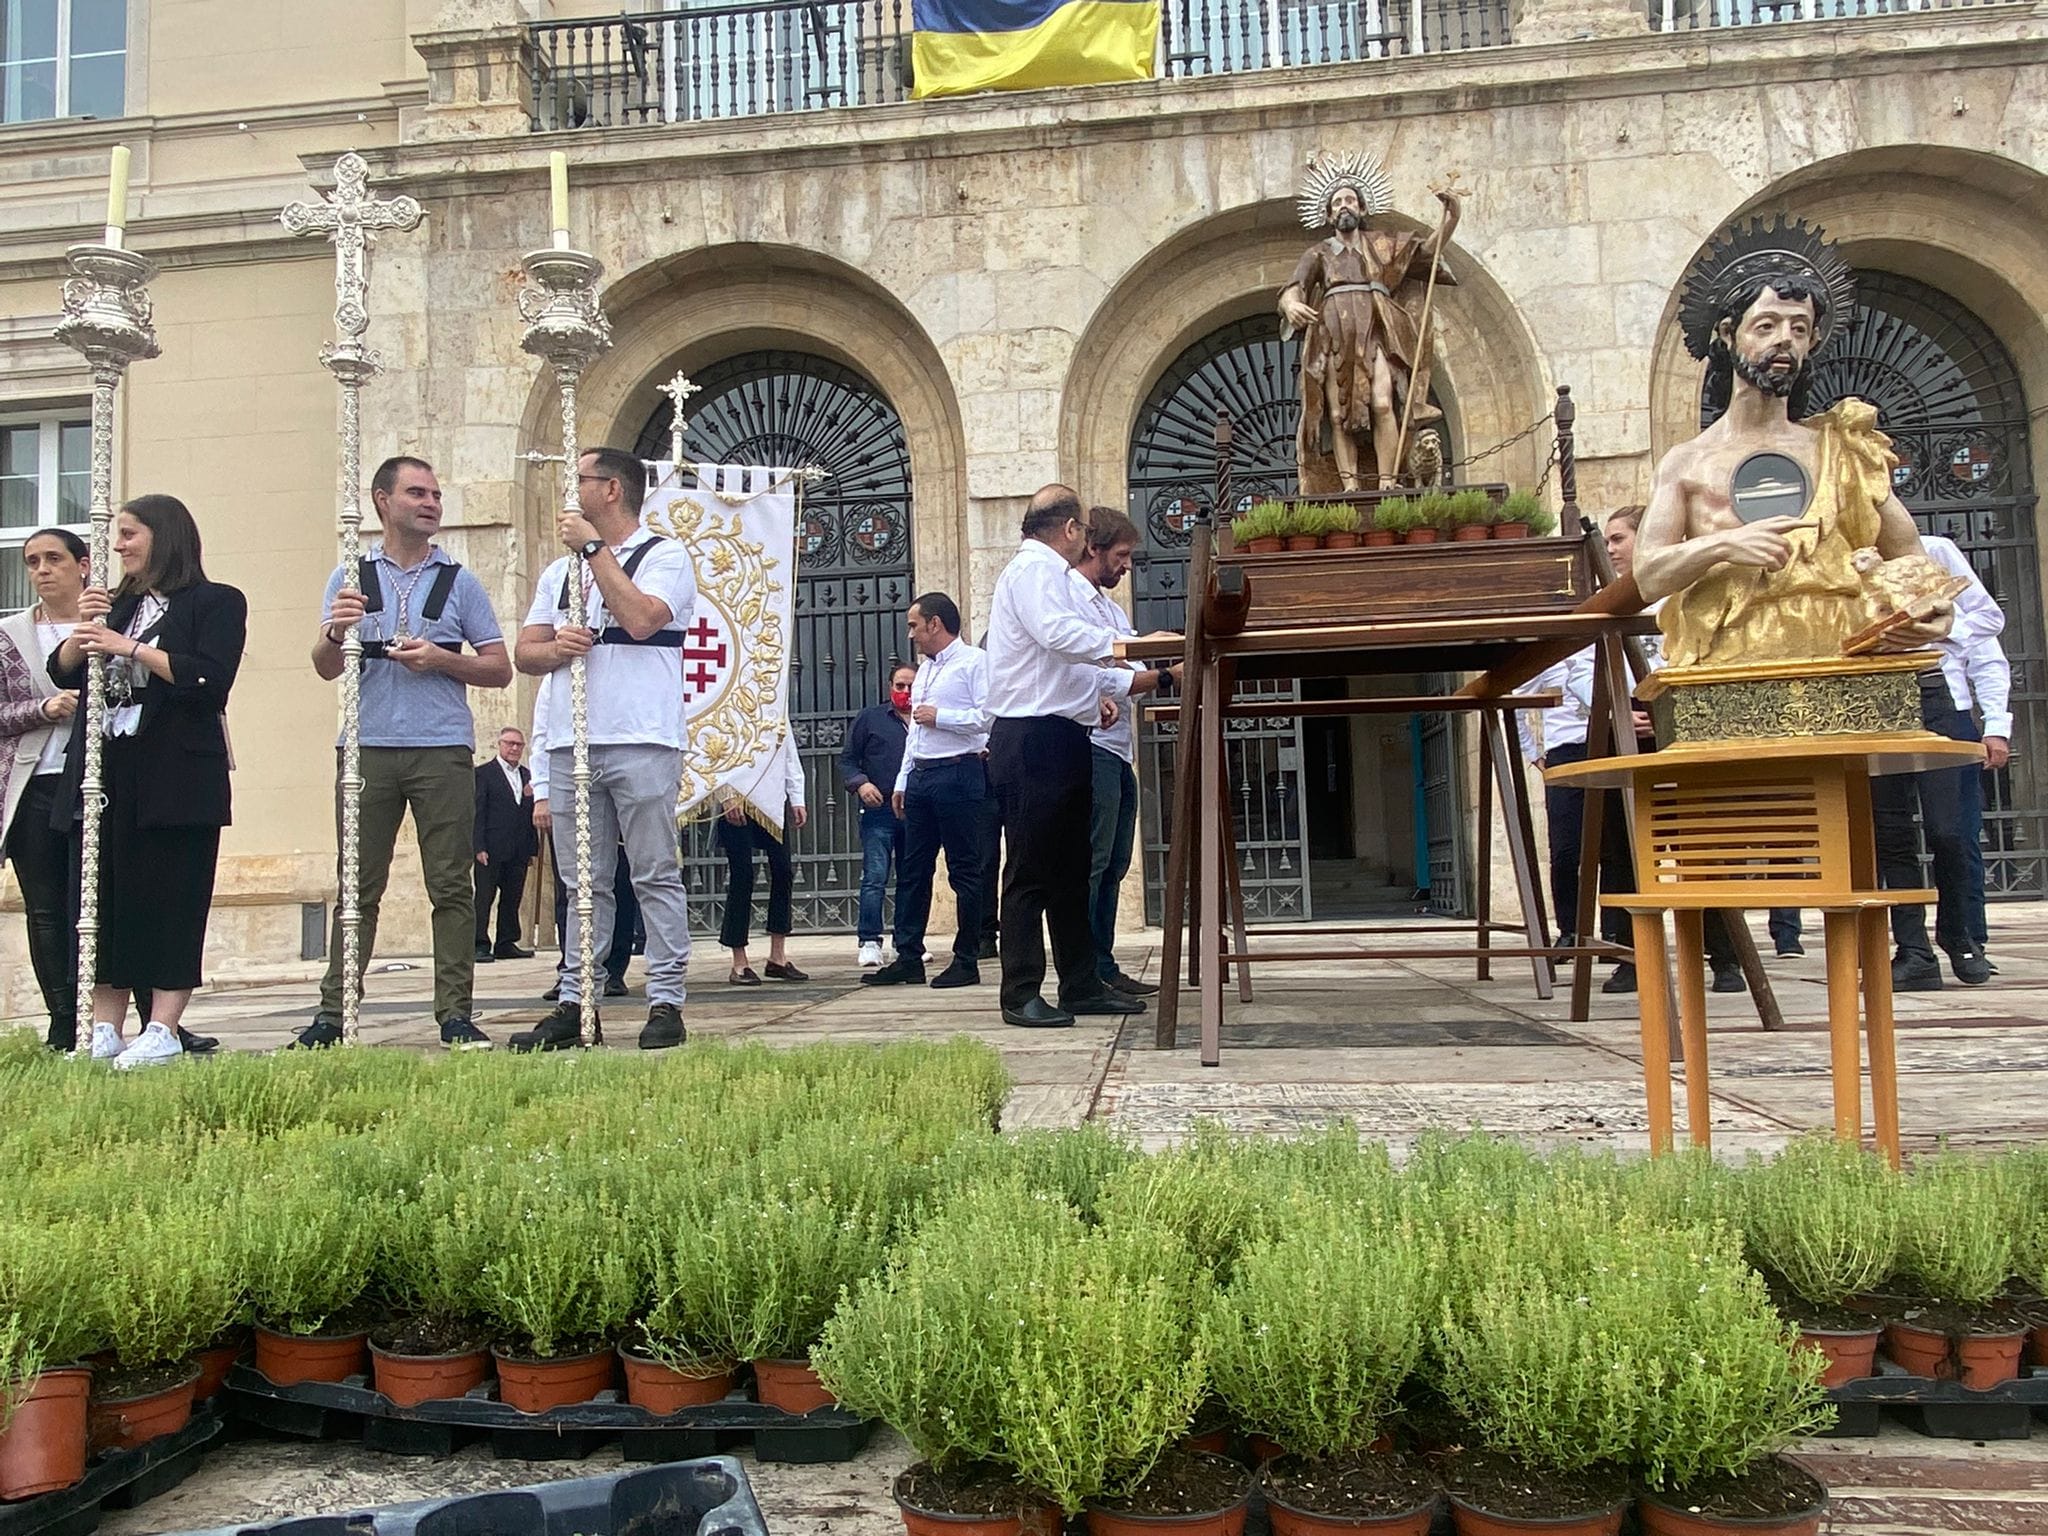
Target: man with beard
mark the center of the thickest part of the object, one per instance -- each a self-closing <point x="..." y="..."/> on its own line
<point x="1356" y="298"/>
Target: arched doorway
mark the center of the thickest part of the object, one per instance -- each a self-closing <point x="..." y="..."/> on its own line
<point x="1948" y="395"/>
<point x="853" y="585"/>
<point x="1333" y="816"/>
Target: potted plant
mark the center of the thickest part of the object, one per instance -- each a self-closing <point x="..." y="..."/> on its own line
<point x="1309" y="1349"/>
<point x="427" y="1346"/>
<point x="1956" y="1223"/>
<point x="1470" y="515"/>
<point x="2030" y="1248"/>
<point x="557" y="1286"/>
<point x="47" y="1327"/>
<point x="1821" y="1221"/>
<point x="1342" y="532"/>
<point x="1522" y="513"/>
<point x="1432" y="519"/>
<point x="671" y="1360"/>
<point x="1310" y="524"/>
<point x="306" y="1245"/>
<point x="1719" y="1390"/>
<point x="1262" y="528"/>
<point x="165" y="1286"/>
<point x="1390" y="520"/>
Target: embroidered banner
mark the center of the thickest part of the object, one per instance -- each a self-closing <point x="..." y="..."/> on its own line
<point x="740" y="525"/>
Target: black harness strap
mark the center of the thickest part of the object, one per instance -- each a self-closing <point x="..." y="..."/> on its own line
<point x="661" y="639"/>
<point x="436" y="604"/>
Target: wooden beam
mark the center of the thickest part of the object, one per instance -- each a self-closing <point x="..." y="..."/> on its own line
<point x="1404" y="704"/>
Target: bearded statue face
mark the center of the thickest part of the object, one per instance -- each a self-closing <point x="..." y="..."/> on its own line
<point x="1772" y="342"/>
<point x="1346" y="211"/>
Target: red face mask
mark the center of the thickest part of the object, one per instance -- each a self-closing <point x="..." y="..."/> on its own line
<point x="900" y="697"/>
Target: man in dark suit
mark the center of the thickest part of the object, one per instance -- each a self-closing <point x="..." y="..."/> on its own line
<point x="505" y="843"/>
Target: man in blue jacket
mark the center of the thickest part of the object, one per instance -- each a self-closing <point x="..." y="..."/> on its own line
<point x="869" y="764"/>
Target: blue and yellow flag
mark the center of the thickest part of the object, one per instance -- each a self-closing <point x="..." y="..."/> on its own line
<point x="962" y="46"/>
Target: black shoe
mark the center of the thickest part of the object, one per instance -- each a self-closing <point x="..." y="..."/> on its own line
<point x="615" y="986"/>
<point x="1104" y="1004"/>
<point x="484" y="956"/>
<point x="1623" y="979"/>
<point x="196" y="1045"/>
<point x="1728" y="978"/>
<point x="1790" y="949"/>
<point x="958" y="974"/>
<point x="510" y="952"/>
<point x="664" y="1028"/>
<point x="743" y="978"/>
<point x="561" y="1030"/>
<point x="553" y="994"/>
<point x="783" y="972"/>
<point x="1915" y="971"/>
<point x="1130" y="986"/>
<point x="904" y="969"/>
<point x="317" y="1035"/>
<point x="63" y="1039"/>
<point x="1971" y="969"/>
<point x="988" y="951"/>
<point x="1037" y="1014"/>
<point x="458" y="1034"/>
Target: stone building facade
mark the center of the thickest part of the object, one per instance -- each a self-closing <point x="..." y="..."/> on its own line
<point x="951" y="303"/>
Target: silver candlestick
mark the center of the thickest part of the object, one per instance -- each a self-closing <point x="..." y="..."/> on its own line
<point x="350" y="216"/>
<point x="107" y="319"/>
<point x="566" y="328"/>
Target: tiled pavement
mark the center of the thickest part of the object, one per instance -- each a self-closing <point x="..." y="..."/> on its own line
<point x="1399" y="1046"/>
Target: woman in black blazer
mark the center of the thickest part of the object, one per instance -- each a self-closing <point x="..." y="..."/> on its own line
<point x="173" y="642"/>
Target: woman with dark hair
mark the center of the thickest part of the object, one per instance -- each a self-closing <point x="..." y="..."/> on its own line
<point x="34" y="737"/>
<point x="173" y="643"/>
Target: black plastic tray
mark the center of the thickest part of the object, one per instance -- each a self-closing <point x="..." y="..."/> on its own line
<point x="1946" y="1410"/>
<point x="114" y="1480"/>
<point x="707" y="1497"/>
<point x="353" y="1409"/>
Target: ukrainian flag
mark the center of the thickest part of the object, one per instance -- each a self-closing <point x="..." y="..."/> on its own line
<point x="962" y="46"/>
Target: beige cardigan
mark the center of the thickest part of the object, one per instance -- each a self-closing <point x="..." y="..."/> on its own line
<point x="24" y="684"/>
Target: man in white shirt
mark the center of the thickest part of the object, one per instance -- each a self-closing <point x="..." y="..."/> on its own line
<point x="939" y="794"/>
<point x="1046" y="652"/>
<point x="639" y="592"/>
<point x="1113" y="825"/>
<point x="1563" y="741"/>
<point x="1950" y="800"/>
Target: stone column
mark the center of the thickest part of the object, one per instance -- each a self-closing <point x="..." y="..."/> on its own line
<point x="479" y="73"/>
<point x="1565" y="21"/>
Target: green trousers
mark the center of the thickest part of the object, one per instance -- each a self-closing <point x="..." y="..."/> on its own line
<point x="438" y="785"/>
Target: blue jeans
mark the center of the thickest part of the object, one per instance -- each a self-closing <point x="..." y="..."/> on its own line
<point x="881" y="843"/>
<point x="1944" y="796"/>
<point x="942" y="809"/>
<point x="1112" y="832"/>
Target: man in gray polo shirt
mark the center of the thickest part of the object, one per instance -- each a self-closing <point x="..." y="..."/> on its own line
<point x="417" y="733"/>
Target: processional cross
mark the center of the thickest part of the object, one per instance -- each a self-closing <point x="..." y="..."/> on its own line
<point x="678" y="389"/>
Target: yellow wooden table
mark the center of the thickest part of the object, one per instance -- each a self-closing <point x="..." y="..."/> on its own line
<point x="1737" y="825"/>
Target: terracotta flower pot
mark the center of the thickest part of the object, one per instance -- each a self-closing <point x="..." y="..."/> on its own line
<point x="1343" y="538"/>
<point x="790" y="1385"/>
<point x="1470" y="533"/>
<point x="535" y="1386"/>
<point x="287" y="1359"/>
<point x="1265" y="546"/>
<point x="1511" y="530"/>
<point x="661" y="1389"/>
<point x="1228" y="1521"/>
<point x="1422" y="536"/>
<point x="1477" y="1522"/>
<point x="1264" y="1450"/>
<point x="412" y="1379"/>
<point x="215" y="1361"/>
<point x="1301" y="542"/>
<point x="1380" y="538"/>
<point x="42" y="1448"/>
<point x="1976" y="1360"/>
<point x="1039" y="1520"/>
<point x="1656" y="1517"/>
<point x="1851" y="1354"/>
<point x="122" y="1423"/>
<point x="2037" y="1345"/>
<point x="1216" y="1442"/>
<point x="1289" y="1521"/>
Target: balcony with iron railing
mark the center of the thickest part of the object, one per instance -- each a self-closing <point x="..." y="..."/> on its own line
<point x="763" y="57"/>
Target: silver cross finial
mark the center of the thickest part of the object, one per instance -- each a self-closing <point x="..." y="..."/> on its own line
<point x="678" y="389"/>
<point x="350" y="217"/>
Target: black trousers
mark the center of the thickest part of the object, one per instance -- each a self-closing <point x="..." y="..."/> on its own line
<point x="1044" y="777"/>
<point x="1941" y="795"/>
<point x="625" y="927"/>
<point x="739" y="843"/>
<point x="991" y="829"/>
<point x="505" y="883"/>
<point x="46" y="866"/>
<point x="1565" y="810"/>
<point x="942" y="810"/>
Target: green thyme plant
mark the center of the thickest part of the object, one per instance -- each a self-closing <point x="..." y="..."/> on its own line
<point x="1396" y="514"/>
<point x="558" y="1278"/>
<point x="306" y="1229"/>
<point x="1433" y="510"/>
<point x="1956" y="1222"/>
<point x="20" y="1363"/>
<point x="1470" y="508"/>
<point x="2028" y="1175"/>
<point x="1203" y="1191"/>
<point x="1261" y="520"/>
<point x="435" y="1241"/>
<point x="1321" y="1326"/>
<point x="165" y="1284"/>
<point x="48" y="1272"/>
<point x="1823" y="1216"/>
<point x="1314" y="520"/>
<point x="1343" y="518"/>
<point x="1524" y="507"/>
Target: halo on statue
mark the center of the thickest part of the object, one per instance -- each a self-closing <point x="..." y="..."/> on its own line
<point x="1360" y="170"/>
<point x="1769" y="485"/>
<point x="1740" y="255"/>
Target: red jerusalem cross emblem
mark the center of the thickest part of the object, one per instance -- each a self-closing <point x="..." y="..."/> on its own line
<point x="707" y="657"/>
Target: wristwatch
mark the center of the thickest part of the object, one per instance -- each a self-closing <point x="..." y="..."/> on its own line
<point x="590" y="548"/>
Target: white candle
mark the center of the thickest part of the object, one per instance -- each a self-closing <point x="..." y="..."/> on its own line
<point x="558" y="197"/>
<point x="117" y="195"/>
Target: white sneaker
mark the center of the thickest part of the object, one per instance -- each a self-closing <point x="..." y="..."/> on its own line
<point x="871" y="957"/>
<point x="106" y="1042"/>
<point x="152" y="1048"/>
